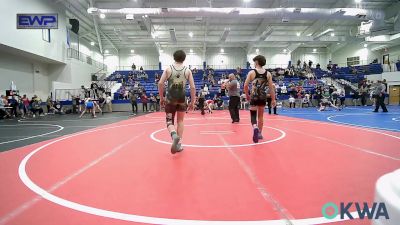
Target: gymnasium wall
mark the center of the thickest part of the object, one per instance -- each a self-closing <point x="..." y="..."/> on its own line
<point x="392" y="78"/>
<point x="231" y="58"/>
<point x="149" y="58"/>
<point x="31" y="40"/>
<point x="141" y="56"/>
<point x="112" y="62"/>
<point x="30" y="76"/>
<point x="321" y="56"/>
<point x="36" y="77"/>
<point x="353" y="50"/>
<point x="195" y="59"/>
<point x="73" y="74"/>
<point x="38" y="63"/>
<point x="275" y="57"/>
<point x="122" y="60"/>
<point x="87" y="49"/>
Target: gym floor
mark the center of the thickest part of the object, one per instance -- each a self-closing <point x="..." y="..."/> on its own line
<point x="117" y="169"/>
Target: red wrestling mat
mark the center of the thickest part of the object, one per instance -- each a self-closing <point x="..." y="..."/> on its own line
<point x="124" y="173"/>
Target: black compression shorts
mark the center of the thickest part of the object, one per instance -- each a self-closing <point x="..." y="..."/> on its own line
<point x="171" y="107"/>
<point x="258" y="102"/>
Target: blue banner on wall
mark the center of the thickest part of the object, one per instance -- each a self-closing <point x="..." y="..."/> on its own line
<point x="37" y="21"/>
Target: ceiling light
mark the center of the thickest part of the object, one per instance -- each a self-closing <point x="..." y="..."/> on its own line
<point x="106" y="51"/>
<point x="92" y="43"/>
<point x="191" y="50"/>
<point x="284" y="50"/>
<point x="338" y="43"/>
<point x="365" y="45"/>
<point x="172" y="33"/>
<point x="92" y="10"/>
<point x="314" y="50"/>
<point x="102" y="15"/>
<point x="332" y="34"/>
<point x="129" y="17"/>
<point x="298" y="34"/>
<point x="257" y="50"/>
<point x="190" y="34"/>
<point x="161" y="51"/>
<point x="132" y="51"/>
<point x="222" y="50"/>
<point x="225" y="34"/>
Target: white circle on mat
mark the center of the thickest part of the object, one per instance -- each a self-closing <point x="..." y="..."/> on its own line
<point x="283" y="134"/>
<point x="146" y="219"/>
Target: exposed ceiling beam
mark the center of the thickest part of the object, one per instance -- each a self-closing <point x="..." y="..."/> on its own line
<point x="86" y="34"/>
<point x="249" y="48"/>
<point x="392" y="10"/>
<point x="84" y="17"/>
<point x="275" y="4"/>
<point x="151" y="31"/>
<point x="96" y="27"/>
<point x="109" y="40"/>
<point x="207" y="24"/>
<point x="261" y="27"/>
<point x="292" y="47"/>
<point x="173" y="35"/>
<point x="317" y="25"/>
<point x="225" y="34"/>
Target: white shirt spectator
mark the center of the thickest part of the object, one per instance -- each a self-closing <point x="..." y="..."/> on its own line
<point x="283" y="89"/>
<point x="108" y="99"/>
<point x="205" y="88"/>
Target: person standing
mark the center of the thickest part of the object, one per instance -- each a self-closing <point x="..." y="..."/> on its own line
<point x="233" y="87"/>
<point x="269" y="101"/>
<point x="90" y="107"/>
<point x="177" y="76"/>
<point x="292" y="101"/>
<point x="157" y="102"/>
<point x="342" y="97"/>
<point x="144" y="99"/>
<point x="25" y="101"/>
<point x="223" y="87"/>
<point x="109" y="103"/>
<point x="243" y="101"/>
<point x="133" y="98"/>
<point x="49" y="104"/>
<point x="153" y="102"/>
<point x="363" y="90"/>
<point x="380" y="92"/>
<point x="261" y="81"/>
<point x="201" y="99"/>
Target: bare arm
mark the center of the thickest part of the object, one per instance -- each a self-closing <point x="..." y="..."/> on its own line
<point x="271" y="86"/>
<point x="163" y="78"/>
<point x="192" y="87"/>
<point x="249" y="78"/>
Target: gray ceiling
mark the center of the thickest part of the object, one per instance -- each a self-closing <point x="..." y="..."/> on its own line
<point x="115" y="32"/>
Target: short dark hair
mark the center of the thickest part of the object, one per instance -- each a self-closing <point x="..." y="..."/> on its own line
<point x="260" y="59"/>
<point x="179" y="56"/>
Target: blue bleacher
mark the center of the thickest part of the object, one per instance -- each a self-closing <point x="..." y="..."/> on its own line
<point x="340" y="73"/>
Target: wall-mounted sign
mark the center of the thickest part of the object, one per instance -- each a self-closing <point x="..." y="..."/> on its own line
<point x="37" y="21"/>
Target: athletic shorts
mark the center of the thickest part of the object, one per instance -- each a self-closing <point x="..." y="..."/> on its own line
<point x="326" y="104"/>
<point x="172" y="107"/>
<point x="89" y="105"/>
<point x="258" y="102"/>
